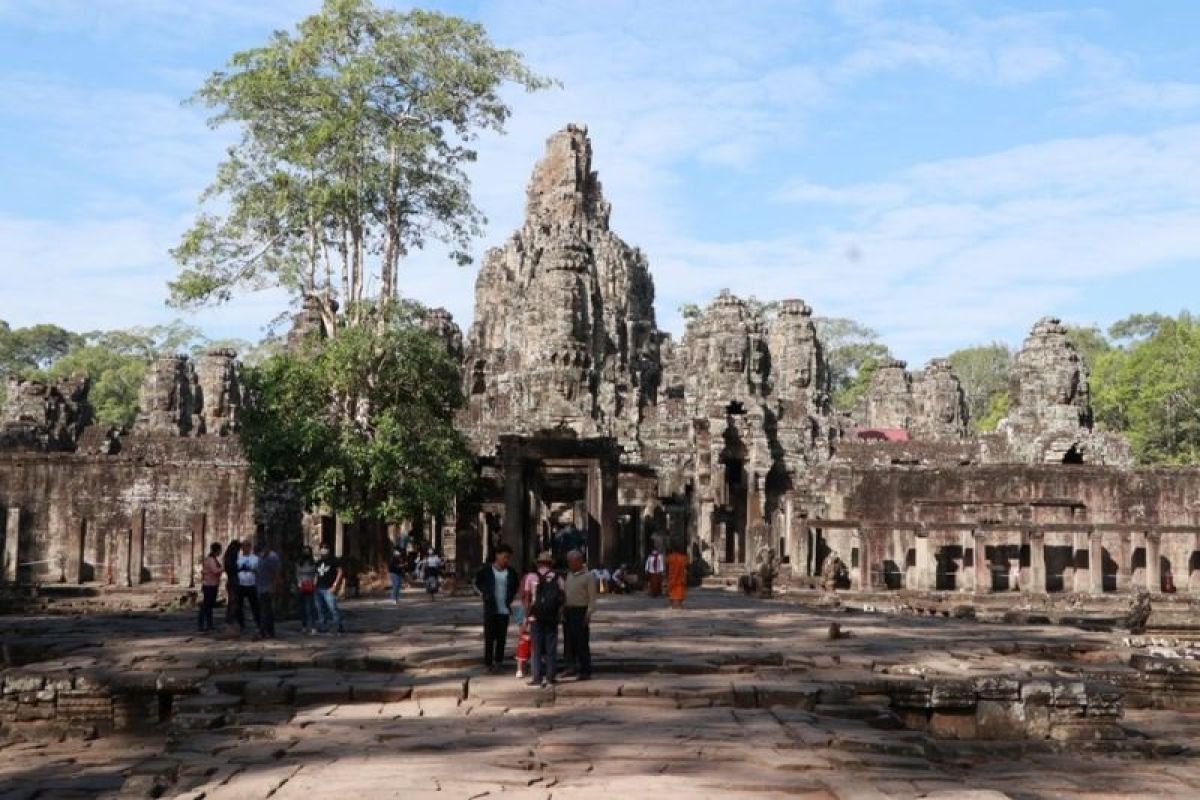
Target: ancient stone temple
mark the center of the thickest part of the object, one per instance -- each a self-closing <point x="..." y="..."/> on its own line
<point x="726" y="442"/>
<point x="1051" y="416"/>
<point x="564" y="333"/>
<point x="583" y="413"/>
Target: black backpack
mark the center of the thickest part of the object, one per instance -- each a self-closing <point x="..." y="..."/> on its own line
<point x="548" y="599"/>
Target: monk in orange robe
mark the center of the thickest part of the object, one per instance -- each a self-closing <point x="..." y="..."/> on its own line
<point x="677" y="566"/>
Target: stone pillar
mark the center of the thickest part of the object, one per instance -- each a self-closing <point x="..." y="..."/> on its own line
<point x="982" y="570"/>
<point x="926" y="563"/>
<point x="123" y="540"/>
<point x="76" y="550"/>
<point x="1124" y="559"/>
<point x="1095" y="573"/>
<point x="12" y="545"/>
<point x="1037" y="562"/>
<point x="704" y="528"/>
<point x="790" y="545"/>
<point x="515" y="534"/>
<point x="610" y="540"/>
<point x="1079" y="553"/>
<point x="193" y="551"/>
<point x="864" y="559"/>
<point x="137" y="547"/>
<point x="1153" y="565"/>
<point x="719" y="547"/>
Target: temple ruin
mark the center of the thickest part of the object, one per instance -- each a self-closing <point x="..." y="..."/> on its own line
<point x="581" y="410"/>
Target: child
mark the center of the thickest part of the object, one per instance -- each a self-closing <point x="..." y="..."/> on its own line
<point x="524" y="642"/>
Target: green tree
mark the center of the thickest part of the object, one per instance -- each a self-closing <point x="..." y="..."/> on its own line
<point x="1090" y="342"/>
<point x="1150" y="391"/>
<point x="853" y="352"/>
<point x="983" y="372"/>
<point x="355" y="130"/>
<point x="116" y="361"/>
<point x="386" y="445"/>
<point x="23" y="350"/>
<point x="1137" y="326"/>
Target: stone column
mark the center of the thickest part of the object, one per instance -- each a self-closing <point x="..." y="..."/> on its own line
<point x="1095" y="573"/>
<point x="965" y="580"/>
<point x="514" y="516"/>
<point x="610" y="545"/>
<point x="1037" y="562"/>
<point x="76" y="552"/>
<point x="789" y="540"/>
<point x="1124" y="559"/>
<point x="1079" y="551"/>
<point x="12" y="548"/>
<point x="864" y="559"/>
<point x="983" y="572"/>
<point x="719" y="547"/>
<point x="926" y="563"/>
<point x="1153" y="565"/>
<point x="123" y="540"/>
<point x="192" y="553"/>
<point x="137" y="548"/>
<point x="705" y="530"/>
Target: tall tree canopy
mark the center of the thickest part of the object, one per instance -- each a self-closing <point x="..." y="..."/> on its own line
<point x="363" y="423"/>
<point x="853" y="352"/>
<point x="1150" y="389"/>
<point x="355" y="130"/>
<point x="983" y="372"/>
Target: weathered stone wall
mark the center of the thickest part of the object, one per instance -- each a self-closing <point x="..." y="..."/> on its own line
<point x="1132" y="513"/>
<point x="180" y="495"/>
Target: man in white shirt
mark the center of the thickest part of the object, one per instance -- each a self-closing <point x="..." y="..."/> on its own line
<point x="247" y="577"/>
<point x="655" y="566"/>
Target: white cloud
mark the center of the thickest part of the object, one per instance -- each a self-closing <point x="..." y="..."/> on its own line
<point x="938" y="254"/>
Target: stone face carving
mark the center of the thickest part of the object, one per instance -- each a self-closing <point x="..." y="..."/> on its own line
<point x="441" y="323"/>
<point x="799" y="373"/>
<point x="888" y="402"/>
<point x="1051" y="416"/>
<point x="564" y="332"/>
<point x="939" y="404"/>
<point x="220" y="392"/>
<point x="45" y="416"/>
<point x="177" y="399"/>
<point x="167" y="400"/>
<point x="929" y="405"/>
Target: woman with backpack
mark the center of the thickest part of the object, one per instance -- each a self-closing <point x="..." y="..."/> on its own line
<point x="543" y="594"/>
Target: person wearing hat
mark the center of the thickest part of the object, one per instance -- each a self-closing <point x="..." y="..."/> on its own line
<point x="543" y="594"/>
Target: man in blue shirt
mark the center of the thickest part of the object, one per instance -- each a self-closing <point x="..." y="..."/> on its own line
<point x="497" y="584"/>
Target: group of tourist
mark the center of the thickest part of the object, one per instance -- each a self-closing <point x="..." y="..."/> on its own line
<point x="254" y="579"/>
<point x="541" y="602"/>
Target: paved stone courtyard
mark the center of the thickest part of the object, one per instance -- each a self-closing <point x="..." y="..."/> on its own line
<point x="731" y="697"/>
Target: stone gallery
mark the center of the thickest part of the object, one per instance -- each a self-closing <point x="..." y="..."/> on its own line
<point x="583" y="412"/>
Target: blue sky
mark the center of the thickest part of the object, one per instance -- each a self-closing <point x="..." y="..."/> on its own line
<point x="946" y="172"/>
